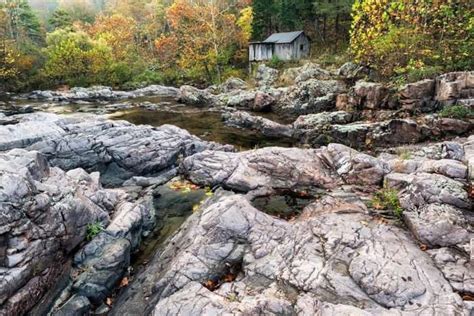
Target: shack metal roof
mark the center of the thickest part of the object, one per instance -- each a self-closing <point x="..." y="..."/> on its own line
<point x="283" y="38"/>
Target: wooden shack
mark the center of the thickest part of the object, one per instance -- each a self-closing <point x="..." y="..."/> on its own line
<point x="285" y="46"/>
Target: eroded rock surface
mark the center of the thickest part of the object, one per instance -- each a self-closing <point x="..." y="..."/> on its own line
<point x="197" y="97"/>
<point x="456" y="267"/>
<point x="311" y="96"/>
<point x="266" y="76"/>
<point x="333" y="255"/>
<point x="455" y="86"/>
<point x="119" y="150"/>
<point x="342" y="127"/>
<point x="352" y="70"/>
<point x="344" y="253"/>
<point x="264" y="126"/>
<point x="437" y="209"/>
<point x="303" y="73"/>
<point x="101" y="93"/>
<point x="275" y="168"/>
<point x="44" y="216"/>
<point x="418" y="95"/>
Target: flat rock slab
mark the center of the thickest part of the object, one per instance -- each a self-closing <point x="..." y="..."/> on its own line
<point x="333" y="255"/>
<point x="272" y="167"/>
<point x="118" y="149"/>
<point x="100" y="93"/>
<point x="44" y="213"/>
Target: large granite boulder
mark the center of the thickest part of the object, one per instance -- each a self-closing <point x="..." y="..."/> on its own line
<point x="312" y="71"/>
<point x="231" y="258"/>
<point x="352" y="70"/>
<point x="79" y="93"/>
<point x="447" y="167"/>
<point x="100" y="93"/>
<point x="268" y="168"/>
<point x="397" y="131"/>
<point x="232" y="84"/>
<point x="369" y="95"/>
<point x="452" y="126"/>
<point x="45" y="213"/>
<point x="456" y="267"/>
<point x="307" y="71"/>
<point x="197" y="97"/>
<point x="156" y="90"/>
<point x="118" y="149"/>
<point x="263" y="102"/>
<point x="239" y="99"/>
<point x="454" y="86"/>
<point x="262" y="125"/>
<point x="105" y="259"/>
<point x="418" y="95"/>
<point x="356" y="167"/>
<point x="437" y="210"/>
<point x="257" y="101"/>
<point x="319" y="120"/>
<point x="311" y="96"/>
<point x="266" y="76"/>
<point x="469" y="158"/>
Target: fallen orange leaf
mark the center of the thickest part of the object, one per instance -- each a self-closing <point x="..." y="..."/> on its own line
<point x="468" y="297"/>
<point x="109" y="301"/>
<point x="124" y="282"/>
<point x="229" y="277"/>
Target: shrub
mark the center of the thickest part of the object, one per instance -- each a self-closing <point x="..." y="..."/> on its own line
<point x="232" y="72"/>
<point x="404" y="155"/>
<point x="332" y="60"/>
<point x="275" y="62"/>
<point x="72" y="58"/>
<point x="143" y="79"/>
<point x="403" y="38"/>
<point x="387" y="199"/>
<point x="457" y="112"/>
<point x="425" y="72"/>
<point x="93" y="229"/>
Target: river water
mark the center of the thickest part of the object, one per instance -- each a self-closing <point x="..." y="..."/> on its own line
<point x="155" y="111"/>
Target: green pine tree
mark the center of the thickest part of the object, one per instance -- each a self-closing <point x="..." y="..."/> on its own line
<point x="60" y="19"/>
<point x="22" y="23"/>
<point x="263" y="16"/>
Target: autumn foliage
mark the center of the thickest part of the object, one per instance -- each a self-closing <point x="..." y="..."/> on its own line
<point x="402" y="37"/>
<point x="204" y="37"/>
<point x="117" y="31"/>
<point x="131" y="43"/>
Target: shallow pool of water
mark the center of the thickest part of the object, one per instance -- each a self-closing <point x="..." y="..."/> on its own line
<point x="285" y="205"/>
<point x="172" y="208"/>
<point x="207" y="125"/>
<point x="155" y="111"/>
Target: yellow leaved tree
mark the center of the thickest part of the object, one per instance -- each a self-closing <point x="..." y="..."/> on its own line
<point x="203" y="38"/>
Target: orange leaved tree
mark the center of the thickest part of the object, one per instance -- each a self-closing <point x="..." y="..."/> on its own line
<point x="203" y="37"/>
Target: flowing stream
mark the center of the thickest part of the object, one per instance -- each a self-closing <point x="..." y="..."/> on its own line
<point x="155" y="111"/>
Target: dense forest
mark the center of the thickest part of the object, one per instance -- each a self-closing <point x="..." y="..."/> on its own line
<point x="129" y="43"/>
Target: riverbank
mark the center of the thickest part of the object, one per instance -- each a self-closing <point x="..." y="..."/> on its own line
<point x="105" y="207"/>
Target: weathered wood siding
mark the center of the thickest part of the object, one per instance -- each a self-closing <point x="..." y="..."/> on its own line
<point x="284" y="51"/>
<point x="260" y="51"/>
<point x="301" y="47"/>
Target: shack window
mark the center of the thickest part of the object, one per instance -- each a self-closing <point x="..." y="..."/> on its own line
<point x="301" y="47"/>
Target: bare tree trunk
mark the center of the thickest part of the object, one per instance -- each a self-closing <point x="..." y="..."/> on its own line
<point x="215" y="43"/>
<point x="325" y="19"/>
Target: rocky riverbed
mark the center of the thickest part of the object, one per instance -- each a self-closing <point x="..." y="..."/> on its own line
<point x="359" y="201"/>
